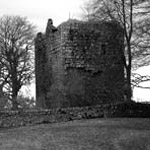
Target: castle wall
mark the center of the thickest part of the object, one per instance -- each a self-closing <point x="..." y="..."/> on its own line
<point x="84" y="64"/>
<point x="40" y="70"/>
<point x="95" y="72"/>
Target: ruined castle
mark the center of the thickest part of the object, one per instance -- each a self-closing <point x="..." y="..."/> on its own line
<point x="79" y="64"/>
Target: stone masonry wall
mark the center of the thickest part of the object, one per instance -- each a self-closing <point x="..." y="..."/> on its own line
<point x="40" y="69"/>
<point x="82" y="62"/>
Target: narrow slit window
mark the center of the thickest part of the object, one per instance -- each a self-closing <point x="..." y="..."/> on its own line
<point x="103" y="49"/>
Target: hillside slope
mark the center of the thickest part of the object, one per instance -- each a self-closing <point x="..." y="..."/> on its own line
<point x="94" y="134"/>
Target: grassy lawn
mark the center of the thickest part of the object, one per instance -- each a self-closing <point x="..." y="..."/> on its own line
<point x="95" y="134"/>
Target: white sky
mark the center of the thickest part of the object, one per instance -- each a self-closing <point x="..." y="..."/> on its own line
<point x="39" y="11"/>
<point x="143" y="94"/>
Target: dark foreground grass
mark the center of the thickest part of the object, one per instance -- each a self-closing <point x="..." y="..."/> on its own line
<point x="95" y="134"/>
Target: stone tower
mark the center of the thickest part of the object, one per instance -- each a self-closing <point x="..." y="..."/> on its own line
<point x="79" y="64"/>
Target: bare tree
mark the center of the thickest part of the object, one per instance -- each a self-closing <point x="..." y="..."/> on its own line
<point x="16" y="55"/>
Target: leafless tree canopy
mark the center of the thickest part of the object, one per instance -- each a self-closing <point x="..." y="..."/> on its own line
<point x="16" y="55"/>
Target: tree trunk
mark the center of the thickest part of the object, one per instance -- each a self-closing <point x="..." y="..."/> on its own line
<point x="128" y="69"/>
<point x="14" y="102"/>
<point x="128" y="88"/>
<point x="15" y="86"/>
<point x="3" y="99"/>
<point x="14" y="93"/>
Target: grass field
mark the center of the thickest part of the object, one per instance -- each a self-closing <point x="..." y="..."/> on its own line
<point x="95" y="134"/>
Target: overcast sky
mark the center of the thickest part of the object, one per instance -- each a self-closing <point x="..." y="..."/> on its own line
<point x="38" y="11"/>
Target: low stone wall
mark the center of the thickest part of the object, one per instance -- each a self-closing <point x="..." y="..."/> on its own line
<point x="32" y="117"/>
<point x="128" y="109"/>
